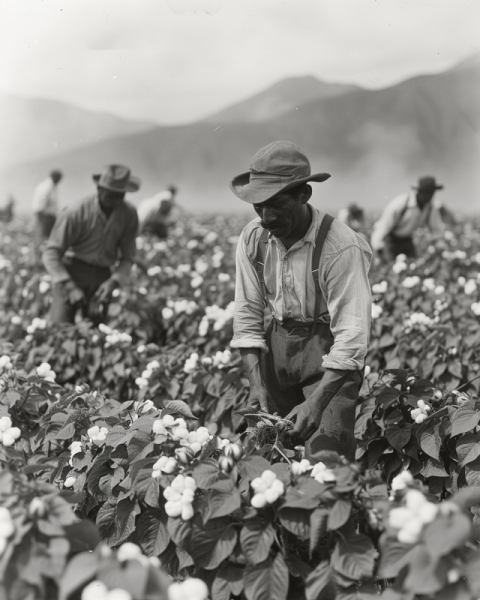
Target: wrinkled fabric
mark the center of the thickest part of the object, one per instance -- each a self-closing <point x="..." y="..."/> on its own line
<point x="45" y="198"/>
<point x="289" y="289"/>
<point x="403" y="225"/>
<point x="292" y="374"/>
<point x="84" y="232"/>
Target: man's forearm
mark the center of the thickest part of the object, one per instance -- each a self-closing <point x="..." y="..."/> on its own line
<point x="330" y="385"/>
<point x="52" y="260"/>
<point x="251" y="362"/>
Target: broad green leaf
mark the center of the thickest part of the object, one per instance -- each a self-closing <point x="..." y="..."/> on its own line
<point x="399" y="437"/>
<point x="354" y="556"/>
<point x="433" y="468"/>
<point x="465" y="419"/>
<point x="266" y="580"/>
<point x="229" y="580"/>
<point x="468" y="447"/>
<point x="318" y="527"/>
<point x="212" y="544"/>
<point x="221" y="503"/>
<point x="252" y="466"/>
<point x="256" y="538"/>
<point x="206" y="473"/>
<point x="393" y="557"/>
<point x="338" y="514"/>
<point x="151" y="532"/>
<point x="80" y="570"/>
<point x="179" y="407"/>
<point x="296" y="520"/>
<point x="446" y="533"/>
<point x="428" y="435"/>
<point x="424" y="575"/>
<point x="387" y="396"/>
<point x="317" y="581"/>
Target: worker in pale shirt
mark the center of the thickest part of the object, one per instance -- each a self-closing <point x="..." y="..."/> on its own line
<point x="312" y="273"/>
<point x="45" y="206"/>
<point x="393" y="233"/>
<point x="155" y="213"/>
<point x="353" y="216"/>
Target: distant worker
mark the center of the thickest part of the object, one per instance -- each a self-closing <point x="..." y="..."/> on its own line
<point x="45" y="206"/>
<point x="156" y="213"/>
<point x="87" y="240"/>
<point x="353" y="216"/>
<point x="6" y="209"/>
<point x="392" y="233"/>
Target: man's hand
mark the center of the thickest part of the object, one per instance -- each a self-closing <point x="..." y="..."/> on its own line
<point x="259" y="397"/>
<point x="105" y="290"/>
<point x="307" y="417"/>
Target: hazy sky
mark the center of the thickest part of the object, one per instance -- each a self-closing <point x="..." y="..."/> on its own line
<point x="178" y="60"/>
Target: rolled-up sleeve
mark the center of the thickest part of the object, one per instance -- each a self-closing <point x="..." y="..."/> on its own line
<point x="127" y="247"/>
<point x="248" y="318"/>
<point x="349" y="303"/>
<point x="64" y="234"/>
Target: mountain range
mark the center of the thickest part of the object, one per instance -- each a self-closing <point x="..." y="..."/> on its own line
<point x="375" y="143"/>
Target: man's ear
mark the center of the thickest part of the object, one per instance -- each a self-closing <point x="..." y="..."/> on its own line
<point x="306" y="193"/>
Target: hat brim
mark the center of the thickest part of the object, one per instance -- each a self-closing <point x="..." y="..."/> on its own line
<point x="132" y="185"/>
<point x="260" y="190"/>
<point x="429" y="189"/>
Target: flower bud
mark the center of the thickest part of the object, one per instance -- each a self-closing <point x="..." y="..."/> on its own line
<point x="226" y="464"/>
<point x="37" y="508"/>
<point x="234" y="451"/>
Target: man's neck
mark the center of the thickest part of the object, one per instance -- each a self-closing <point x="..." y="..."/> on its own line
<point x="300" y="230"/>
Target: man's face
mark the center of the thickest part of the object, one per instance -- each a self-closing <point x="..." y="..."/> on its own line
<point x="109" y="200"/>
<point x="282" y="213"/>
<point x="424" y="197"/>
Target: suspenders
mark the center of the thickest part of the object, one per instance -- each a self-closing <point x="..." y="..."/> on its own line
<point x="320" y="302"/>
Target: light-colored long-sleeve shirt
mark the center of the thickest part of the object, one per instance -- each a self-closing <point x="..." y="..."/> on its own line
<point x="84" y="232"/>
<point x="290" y="289"/>
<point x="149" y="208"/>
<point x="403" y="225"/>
<point x="45" y="198"/>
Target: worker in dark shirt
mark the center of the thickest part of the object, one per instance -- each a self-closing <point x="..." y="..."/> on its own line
<point x="88" y="239"/>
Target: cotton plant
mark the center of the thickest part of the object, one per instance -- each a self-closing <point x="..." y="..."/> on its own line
<point x="8" y="434"/>
<point x="36" y="325"/>
<point x="418" y="320"/>
<point x="45" y="372"/>
<point x="410" y="282"/>
<point x="322" y="474"/>
<point x="380" y="288"/>
<point x="179" y="496"/>
<point x="409" y="520"/>
<point x="177" y="430"/>
<point x="301" y="467"/>
<point x="377" y="310"/>
<point x="143" y="380"/>
<point x="75" y="448"/>
<point x="191" y="363"/>
<point x="420" y="413"/>
<point x="268" y="489"/>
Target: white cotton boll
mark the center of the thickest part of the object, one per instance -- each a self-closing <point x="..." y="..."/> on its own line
<point x="173" y="509"/>
<point x="453" y="576"/>
<point x="196" y="447"/>
<point x="69" y="481"/>
<point x="195" y="589"/>
<point x="427" y="512"/>
<point x="128" y="551"/>
<point x="181" y="423"/>
<point x="170" y="466"/>
<point x="268" y="477"/>
<point x="189" y="483"/>
<point x="118" y="594"/>
<point x="8" y="440"/>
<point x="397" y="517"/>
<point x="470" y="287"/>
<point x="161" y="462"/>
<point x="421" y="418"/>
<point x="412" y="527"/>
<point x="416" y="412"/>
<point x="475" y="307"/>
<point x="168" y="420"/>
<point x="278" y="487"/>
<point x="258" y="485"/>
<point x="407" y="537"/>
<point x="43" y="370"/>
<point x="147" y="373"/>
<point x="439" y="289"/>
<point x="398" y="267"/>
<point x="7" y="527"/>
<point x="93" y="432"/>
<point x="188" y="496"/>
<point x="259" y="500"/>
<point x="167" y="313"/>
<point x="196" y="281"/>
<point x="5" y="423"/>
<point x="401" y="481"/>
<point x="94" y="591"/>
<point x="223" y="277"/>
<point x="178" y="484"/>
<point x="175" y="592"/>
<point x="376" y="311"/>
<point x="15" y="432"/>
<point x="202" y="435"/>
<point x="271" y="495"/>
<point x="414" y="500"/>
<point x="187" y="512"/>
<point x="172" y="495"/>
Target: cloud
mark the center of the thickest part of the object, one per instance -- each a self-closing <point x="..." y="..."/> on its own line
<point x="178" y="60"/>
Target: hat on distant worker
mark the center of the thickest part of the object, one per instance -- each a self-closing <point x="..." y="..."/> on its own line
<point x="427" y="184"/>
<point x="117" y="178"/>
<point x="278" y="167"/>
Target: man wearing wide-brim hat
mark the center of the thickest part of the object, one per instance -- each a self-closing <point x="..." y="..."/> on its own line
<point x="92" y="245"/>
<point x="312" y="273"/>
<point x="392" y="233"/>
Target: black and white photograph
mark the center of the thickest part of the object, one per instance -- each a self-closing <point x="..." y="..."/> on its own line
<point x="239" y="300"/>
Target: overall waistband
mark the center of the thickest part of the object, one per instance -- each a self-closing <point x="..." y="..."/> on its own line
<point x="73" y="260"/>
<point x="292" y="324"/>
